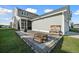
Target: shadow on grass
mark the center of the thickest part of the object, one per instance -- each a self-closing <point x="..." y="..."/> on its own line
<point x="58" y="47"/>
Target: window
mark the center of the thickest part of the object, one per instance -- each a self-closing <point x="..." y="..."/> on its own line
<point x="23" y="23"/>
<point x="23" y="13"/>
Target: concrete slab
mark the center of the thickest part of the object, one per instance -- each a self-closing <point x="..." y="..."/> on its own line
<point x="73" y="34"/>
<point x="40" y="47"/>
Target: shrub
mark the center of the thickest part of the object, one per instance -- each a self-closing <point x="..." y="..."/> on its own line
<point x="74" y="30"/>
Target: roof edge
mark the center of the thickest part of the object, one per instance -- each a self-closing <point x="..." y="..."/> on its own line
<point x="67" y="7"/>
<point x="27" y="11"/>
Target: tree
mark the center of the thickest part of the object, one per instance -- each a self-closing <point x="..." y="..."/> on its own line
<point x="1" y="26"/>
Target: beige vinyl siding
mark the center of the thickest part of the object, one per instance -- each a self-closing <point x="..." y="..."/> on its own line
<point x="44" y="24"/>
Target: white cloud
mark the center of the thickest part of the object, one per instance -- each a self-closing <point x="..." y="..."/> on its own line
<point x="31" y="10"/>
<point x="48" y="10"/>
<point x="77" y="12"/>
<point x="5" y="21"/>
<point x="5" y="18"/>
<point x="4" y="10"/>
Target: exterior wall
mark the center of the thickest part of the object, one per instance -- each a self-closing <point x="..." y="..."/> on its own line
<point x="15" y="23"/>
<point x="44" y="24"/>
<point x="66" y="25"/>
<point x="67" y="18"/>
<point x="56" y="17"/>
<point x="26" y="14"/>
<point x="19" y="15"/>
<point x="10" y="24"/>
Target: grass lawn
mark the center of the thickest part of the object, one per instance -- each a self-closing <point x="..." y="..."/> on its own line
<point x="67" y="44"/>
<point x="10" y="42"/>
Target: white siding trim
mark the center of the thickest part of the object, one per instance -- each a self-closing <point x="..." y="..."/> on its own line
<point x="48" y="15"/>
<point x="40" y="30"/>
<point x="20" y="25"/>
<point x="24" y="18"/>
<point x="63" y="23"/>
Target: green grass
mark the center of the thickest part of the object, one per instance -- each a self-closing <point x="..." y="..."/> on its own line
<point x="67" y="44"/>
<point x="11" y="43"/>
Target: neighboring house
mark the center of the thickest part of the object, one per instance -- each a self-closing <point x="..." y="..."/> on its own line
<point x="1" y="26"/>
<point x="60" y="16"/>
<point x="22" y="19"/>
<point x="76" y="26"/>
<point x="42" y="23"/>
<point x="4" y="26"/>
<point x="11" y="25"/>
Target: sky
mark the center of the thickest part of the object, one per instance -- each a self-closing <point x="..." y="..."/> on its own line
<point x="6" y="11"/>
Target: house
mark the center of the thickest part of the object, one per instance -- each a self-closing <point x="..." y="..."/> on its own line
<point x="4" y="26"/>
<point x="11" y="25"/>
<point x="76" y="26"/>
<point x="22" y="19"/>
<point x="26" y="20"/>
<point x="61" y="16"/>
